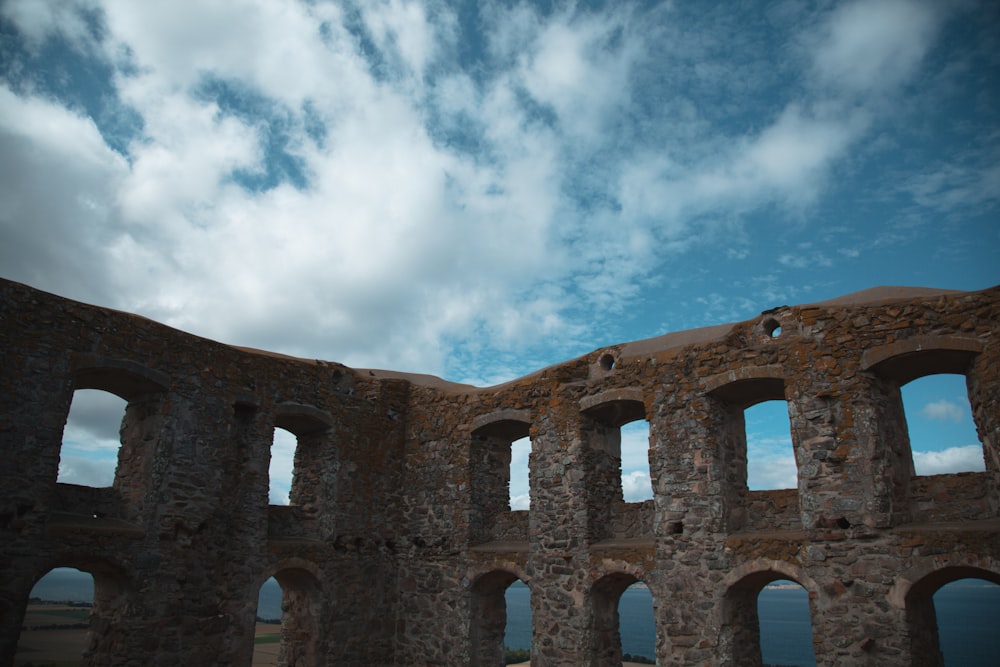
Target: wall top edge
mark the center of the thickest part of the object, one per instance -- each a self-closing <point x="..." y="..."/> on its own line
<point x="646" y="347"/>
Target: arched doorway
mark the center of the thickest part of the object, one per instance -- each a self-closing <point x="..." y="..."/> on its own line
<point x="933" y="603"/>
<point x="489" y="628"/>
<point x="622" y="622"/>
<point x="296" y="637"/>
<point x="74" y="615"/>
<point x="767" y="620"/>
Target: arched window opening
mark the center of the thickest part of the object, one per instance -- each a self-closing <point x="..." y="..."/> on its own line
<point x="619" y="451"/>
<point x="57" y="619"/>
<point x="952" y="615"/>
<point x="300" y="453"/>
<point x="636" y="483"/>
<point x="71" y="614"/>
<point x="767" y="620"/>
<point x="91" y="439"/>
<point x="622" y="624"/>
<point x="636" y="625"/>
<point x="519" y="496"/>
<point x="286" y="631"/>
<point x="267" y="629"/>
<point x="282" y="465"/>
<point x="939" y="423"/>
<point x="968" y="615"/>
<point x="755" y="450"/>
<point x="498" y="472"/>
<point x="500" y="624"/>
<point x="770" y="456"/>
<point x="785" y="624"/>
<point x="615" y="461"/>
<point x="517" y="630"/>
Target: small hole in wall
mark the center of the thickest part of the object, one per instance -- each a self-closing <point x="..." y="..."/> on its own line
<point x="676" y="528"/>
<point x="607" y="362"/>
<point x="772" y="328"/>
<point x="843" y="523"/>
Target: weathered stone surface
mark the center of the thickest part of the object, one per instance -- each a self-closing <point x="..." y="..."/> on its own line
<point x="399" y="542"/>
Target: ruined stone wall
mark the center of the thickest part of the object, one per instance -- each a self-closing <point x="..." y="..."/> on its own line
<point x="399" y="542"/>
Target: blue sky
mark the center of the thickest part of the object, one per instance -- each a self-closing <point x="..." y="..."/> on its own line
<point x="479" y="189"/>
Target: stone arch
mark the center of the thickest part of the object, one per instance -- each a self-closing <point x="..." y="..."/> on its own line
<point x="615" y="406"/>
<point x="917" y="356"/>
<point x="488" y="613"/>
<point x="608" y="586"/>
<point x="108" y="630"/>
<point x="489" y="468"/>
<point x="747" y="385"/>
<point x="122" y="377"/>
<point x="301" y="603"/>
<point x="290" y="563"/>
<point x="301" y="419"/>
<point x="915" y="594"/>
<point x="739" y="641"/>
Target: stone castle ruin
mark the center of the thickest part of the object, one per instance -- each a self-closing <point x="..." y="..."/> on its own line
<point x="399" y="541"/>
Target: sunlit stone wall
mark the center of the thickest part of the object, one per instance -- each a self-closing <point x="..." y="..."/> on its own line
<point x="399" y="541"/>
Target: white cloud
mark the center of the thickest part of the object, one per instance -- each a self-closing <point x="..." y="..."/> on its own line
<point x="522" y="501"/>
<point x="803" y="260"/>
<point x="787" y="163"/>
<point x="972" y="182"/>
<point x="945" y="410"/>
<point x="872" y="46"/>
<point x="636" y="483"/>
<point x="57" y="197"/>
<point x="90" y="443"/>
<point x="403" y="29"/>
<point x="770" y="457"/>
<point x="517" y="202"/>
<point x="37" y="20"/>
<point x="772" y="472"/>
<point x="579" y="66"/>
<point x="954" y="459"/>
<point x="86" y="471"/>
<point x="636" y="486"/>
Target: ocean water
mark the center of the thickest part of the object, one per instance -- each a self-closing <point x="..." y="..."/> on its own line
<point x="968" y="614"/>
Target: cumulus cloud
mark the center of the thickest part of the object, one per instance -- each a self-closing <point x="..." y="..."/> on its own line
<point x="86" y="471"/>
<point x="391" y="184"/>
<point x="945" y="410"/>
<point x="636" y="486"/>
<point x="770" y="456"/>
<point x="90" y="444"/>
<point x="771" y="464"/>
<point x="58" y="185"/>
<point x="873" y="46"/>
<point x="521" y="501"/>
<point x="636" y="483"/>
<point x="954" y="459"/>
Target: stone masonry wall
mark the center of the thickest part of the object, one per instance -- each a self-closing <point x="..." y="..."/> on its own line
<point x="399" y="541"/>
